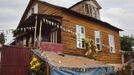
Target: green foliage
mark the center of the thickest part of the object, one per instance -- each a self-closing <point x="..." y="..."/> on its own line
<point x="2" y="38"/>
<point x="127" y="43"/>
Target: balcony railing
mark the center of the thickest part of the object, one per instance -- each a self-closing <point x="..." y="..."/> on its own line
<point x="53" y="47"/>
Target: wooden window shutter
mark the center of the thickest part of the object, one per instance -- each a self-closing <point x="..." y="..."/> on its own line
<point x="80" y="35"/>
<point x="111" y="43"/>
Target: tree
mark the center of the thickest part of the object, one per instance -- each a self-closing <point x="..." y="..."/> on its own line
<point x="127" y="42"/>
<point x="2" y="38"/>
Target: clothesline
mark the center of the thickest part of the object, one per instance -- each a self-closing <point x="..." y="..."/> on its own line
<point x="7" y="31"/>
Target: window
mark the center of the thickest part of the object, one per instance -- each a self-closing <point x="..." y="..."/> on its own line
<point x="111" y="43"/>
<point x="98" y="40"/>
<point x="80" y="35"/>
<point x="87" y="8"/>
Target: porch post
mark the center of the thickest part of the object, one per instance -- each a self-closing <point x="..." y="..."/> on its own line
<point x="123" y="58"/>
<point x="35" y="32"/>
<point x="40" y="32"/>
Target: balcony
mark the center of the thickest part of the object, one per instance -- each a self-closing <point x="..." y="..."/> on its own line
<point x="45" y="34"/>
<point x="52" y="47"/>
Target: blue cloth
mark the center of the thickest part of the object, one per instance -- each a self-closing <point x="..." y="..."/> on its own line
<point x="95" y="71"/>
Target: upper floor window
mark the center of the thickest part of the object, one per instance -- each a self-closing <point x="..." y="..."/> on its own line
<point x="91" y="11"/>
<point x="87" y="8"/>
<point x="80" y="35"/>
<point x="111" y="43"/>
<point x="98" y="40"/>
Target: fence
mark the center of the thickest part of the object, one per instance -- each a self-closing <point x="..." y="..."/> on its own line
<point x="15" y="60"/>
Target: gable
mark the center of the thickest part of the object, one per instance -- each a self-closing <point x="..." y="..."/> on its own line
<point x="27" y="11"/>
<point x="33" y="10"/>
<point x="87" y="7"/>
<point x="93" y="3"/>
<point x="49" y="9"/>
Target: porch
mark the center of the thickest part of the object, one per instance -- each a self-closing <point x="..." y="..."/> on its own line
<point x="38" y="28"/>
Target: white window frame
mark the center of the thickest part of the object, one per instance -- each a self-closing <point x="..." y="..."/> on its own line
<point x="111" y="43"/>
<point x="98" y="36"/>
<point x="80" y="35"/>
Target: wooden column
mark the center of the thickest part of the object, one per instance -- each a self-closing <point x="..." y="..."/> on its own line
<point x="123" y="61"/>
<point x="35" y="31"/>
<point x="40" y="32"/>
<point x="48" y="69"/>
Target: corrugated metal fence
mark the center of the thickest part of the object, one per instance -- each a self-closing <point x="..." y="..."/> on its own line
<point x="15" y="61"/>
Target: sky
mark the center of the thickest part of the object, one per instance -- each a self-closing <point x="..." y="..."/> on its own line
<point x="118" y="13"/>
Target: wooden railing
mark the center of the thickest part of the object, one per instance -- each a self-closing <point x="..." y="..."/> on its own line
<point x="53" y="47"/>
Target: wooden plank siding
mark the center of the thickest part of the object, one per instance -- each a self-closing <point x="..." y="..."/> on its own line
<point x="90" y="27"/>
<point x="69" y="40"/>
<point x="47" y="9"/>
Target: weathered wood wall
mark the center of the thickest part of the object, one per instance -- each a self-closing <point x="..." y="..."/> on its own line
<point x="69" y="40"/>
<point x="88" y="8"/>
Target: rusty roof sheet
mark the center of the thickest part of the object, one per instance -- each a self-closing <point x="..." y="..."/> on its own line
<point x="68" y="61"/>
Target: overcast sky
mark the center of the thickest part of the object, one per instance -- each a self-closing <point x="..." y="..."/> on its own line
<point x="119" y="13"/>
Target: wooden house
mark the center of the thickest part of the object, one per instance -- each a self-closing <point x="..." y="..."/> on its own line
<point x="45" y="23"/>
